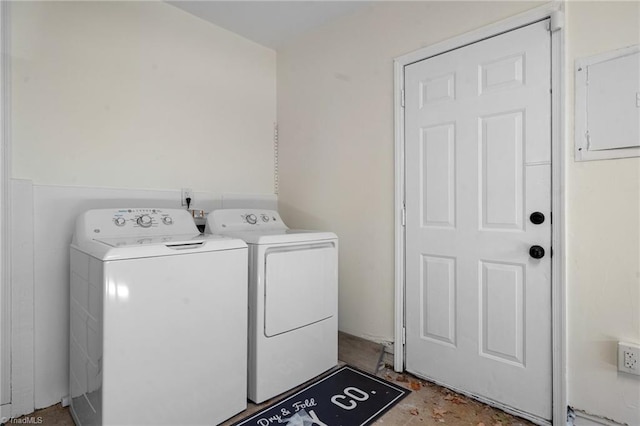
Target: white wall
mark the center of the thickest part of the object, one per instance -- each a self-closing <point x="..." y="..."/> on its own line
<point x="139" y="95"/>
<point x="335" y="115"/>
<point x="111" y="97"/>
<point x="603" y="236"/>
<point x="335" y="119"/>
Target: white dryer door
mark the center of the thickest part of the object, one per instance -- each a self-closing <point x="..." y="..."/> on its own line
<point x="301" y="287"/>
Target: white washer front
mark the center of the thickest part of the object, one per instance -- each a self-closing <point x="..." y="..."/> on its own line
<point x="158" y="320"/>
<point x="293" y="299"/>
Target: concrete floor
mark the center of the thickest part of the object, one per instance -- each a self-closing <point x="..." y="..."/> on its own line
<point x="428" y="404"/>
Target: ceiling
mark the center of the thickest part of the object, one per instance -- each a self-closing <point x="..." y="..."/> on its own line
<point x="269" y="23"/>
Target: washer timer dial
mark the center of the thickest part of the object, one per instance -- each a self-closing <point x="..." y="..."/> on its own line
<point x="145" y="221"/>
<point x="251" y="219"/>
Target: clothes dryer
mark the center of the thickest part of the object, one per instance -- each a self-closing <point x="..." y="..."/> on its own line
<point x="158" y="320"/>
<point x="293" y="299"/>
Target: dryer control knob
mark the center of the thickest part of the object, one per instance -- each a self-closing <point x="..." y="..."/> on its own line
<point x="119" y="221"/>
<point x="145" y="221"/>
<point x="264" y="217"/>
<point x="167" y="220"/>
<point x="251" y="219"/>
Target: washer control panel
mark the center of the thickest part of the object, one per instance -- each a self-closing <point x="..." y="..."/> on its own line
<point x="143" y="218"/>
<point x="259" y="218"/>
<point x="106" y="223"/>
<point x="244" y="220"/>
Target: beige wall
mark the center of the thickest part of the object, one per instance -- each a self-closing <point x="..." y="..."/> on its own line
<point x="335" y="120"/>
<point x="603" y="236"/>
<point x="335" y="115"/>
<point x="139" y="95"/>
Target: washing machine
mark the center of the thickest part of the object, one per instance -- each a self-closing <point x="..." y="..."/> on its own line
<point x="158" y="323"/>
<point x="293" y="299"/>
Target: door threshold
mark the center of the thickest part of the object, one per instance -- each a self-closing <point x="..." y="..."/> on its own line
<point x="488" y="401"/>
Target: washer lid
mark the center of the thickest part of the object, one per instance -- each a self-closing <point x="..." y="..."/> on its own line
<point x="121" y="248"/>
<point x="170" y="240"/>
<point x="281" y="236"/>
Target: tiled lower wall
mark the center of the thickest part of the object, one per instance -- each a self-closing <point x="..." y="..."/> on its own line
<point x="43" y="219"/>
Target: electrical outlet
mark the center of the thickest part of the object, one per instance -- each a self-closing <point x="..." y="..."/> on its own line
<point x="187" y="193"/>
<point x="629" y="358"/>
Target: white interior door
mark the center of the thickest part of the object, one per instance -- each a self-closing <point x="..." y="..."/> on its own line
<point x="478" y="165"/>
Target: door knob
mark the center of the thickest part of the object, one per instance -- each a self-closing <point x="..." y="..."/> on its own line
<point x="536" y="252"/>
<point x="536" y="218"/>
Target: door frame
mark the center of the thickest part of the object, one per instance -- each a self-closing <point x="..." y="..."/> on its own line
<point x="554" y="11"/>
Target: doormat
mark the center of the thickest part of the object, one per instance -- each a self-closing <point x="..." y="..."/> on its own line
<point x="346" y="397"/>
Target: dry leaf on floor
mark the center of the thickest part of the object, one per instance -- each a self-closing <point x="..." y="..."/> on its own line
<point x="402" y="378"/>
<point x="438" y="412"/>
<point x="455" y="399"/>
<point x="500" y="417"/>
<point x="414" y="412"/>
<point x="415" y="385"/>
